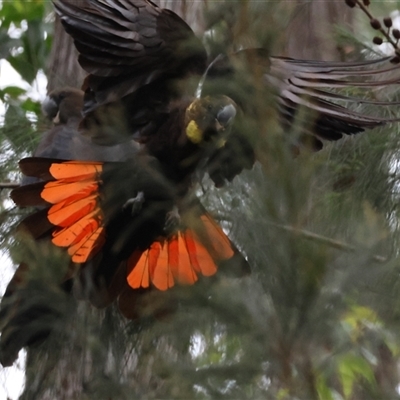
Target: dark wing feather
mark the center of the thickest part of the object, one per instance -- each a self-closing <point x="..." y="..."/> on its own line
<point x="310" y="84"/>
<point x="316" y="86"/>
<point x="319" y="87"/>
<point x="134" y="51"/>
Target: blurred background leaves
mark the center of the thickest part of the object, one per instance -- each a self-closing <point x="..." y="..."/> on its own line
<point x="319" y="316"/>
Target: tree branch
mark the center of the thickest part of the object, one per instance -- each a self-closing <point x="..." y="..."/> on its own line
<point x="323" y="239"/>
<point x="9" y="185"/>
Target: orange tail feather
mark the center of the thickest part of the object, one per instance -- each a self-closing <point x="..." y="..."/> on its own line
<point x="181" y="258"/>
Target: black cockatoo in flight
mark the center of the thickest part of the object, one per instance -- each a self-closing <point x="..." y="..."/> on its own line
<point x="116" y="191"/>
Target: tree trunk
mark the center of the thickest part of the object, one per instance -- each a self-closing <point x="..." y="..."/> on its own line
<point x="311" y="32"/>
<point x="63" y="68"/>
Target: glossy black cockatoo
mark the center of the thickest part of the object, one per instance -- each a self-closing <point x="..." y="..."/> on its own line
<point x="126" y="212"/>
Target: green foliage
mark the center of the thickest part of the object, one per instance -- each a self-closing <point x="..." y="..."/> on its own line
<point x="318" y="318"/>
<point x="27" y="52"/>
<point x="25" y="42"/>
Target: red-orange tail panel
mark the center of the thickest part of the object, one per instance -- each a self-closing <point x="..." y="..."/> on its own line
<point x="72" y="196"/>
<point x="76" y="222"/>
<point x="181" y="258"/>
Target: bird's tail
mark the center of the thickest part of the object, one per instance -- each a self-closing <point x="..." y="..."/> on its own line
<point x="72" y="216"/>
<point x="68" y="198"/>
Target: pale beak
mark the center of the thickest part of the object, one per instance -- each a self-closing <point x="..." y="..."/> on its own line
<point x="218" y="126"/>
<point x="56" y="119"/>
<point x="225" y="116"/>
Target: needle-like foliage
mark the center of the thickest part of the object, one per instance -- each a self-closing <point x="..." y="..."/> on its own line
<point x="317" y="318"/>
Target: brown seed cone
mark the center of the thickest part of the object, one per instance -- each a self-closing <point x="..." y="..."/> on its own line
<point x="377" y="40"/>
<point x="350" y="3"/>
<point x="375" y="23"/>
<point x="388" y="22"/>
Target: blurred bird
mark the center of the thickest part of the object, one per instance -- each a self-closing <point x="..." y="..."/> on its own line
<point x="130" y="219"/>
<point x="64" y="141"/>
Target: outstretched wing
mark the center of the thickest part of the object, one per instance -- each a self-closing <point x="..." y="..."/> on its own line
<point x="320" y="89"/>
<point x="317" y="85"/>
<point x="133" y="51"/>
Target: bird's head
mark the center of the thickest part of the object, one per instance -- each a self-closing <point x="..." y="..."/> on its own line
<point x="62" y="105"/>
<point x="208" y="119"/>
